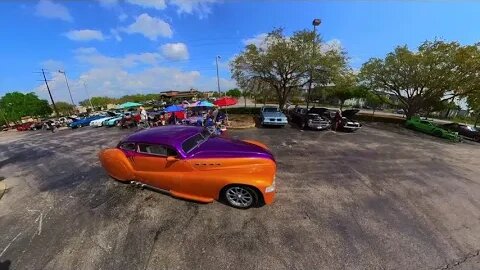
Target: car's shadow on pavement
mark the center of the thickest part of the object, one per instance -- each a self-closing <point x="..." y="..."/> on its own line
<point x="5" y="265"/>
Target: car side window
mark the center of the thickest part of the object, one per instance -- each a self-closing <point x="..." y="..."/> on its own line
<point x="155" y="149"/>
<point x="128" y="146"/>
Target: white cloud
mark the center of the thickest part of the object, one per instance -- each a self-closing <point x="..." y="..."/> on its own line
<point x="52" y="65"/>
<point x="85" y="50"/>
<point x="84" y="35"/>
<point x="121" y="75"/>
<point x="224" y="63"/>
<point x="258" y="40"/>
<point x="200" y="7"/>
<point x="122" y="17"/>
<point x="150" y="27"/>
<point x="115" y="34"/>
<point x="51" y="10"/>
<point x="93" y="58"/>
<point x="115" y="81"/>
<point x="155" y="4"/>
<point x="331" y="45"/>
<point x="175" y="51"/>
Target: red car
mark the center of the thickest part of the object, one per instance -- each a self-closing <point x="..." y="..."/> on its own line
<point x="24" y="126"/>
<point x="130" y="120"/>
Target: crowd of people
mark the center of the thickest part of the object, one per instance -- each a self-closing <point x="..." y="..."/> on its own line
<point x="196" y="116"/>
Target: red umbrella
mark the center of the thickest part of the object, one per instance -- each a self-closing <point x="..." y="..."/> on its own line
<point x="225" y="101"/>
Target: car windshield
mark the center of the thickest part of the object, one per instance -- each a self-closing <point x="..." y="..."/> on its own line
<point x="193" y="142"/>
<point x="270" y="109"/>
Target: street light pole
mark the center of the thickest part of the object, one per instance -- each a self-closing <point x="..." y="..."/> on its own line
<point x="68" y="86"/>
<point x="218" y="78"/>
<point x="315" y="23"/>
<point x="88" y="95"/>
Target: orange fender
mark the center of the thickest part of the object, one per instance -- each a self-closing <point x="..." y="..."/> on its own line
<point x="116" y="164"/>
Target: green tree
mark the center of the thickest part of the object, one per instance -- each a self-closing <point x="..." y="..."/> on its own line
<point x="16" y="105"/>
<point x="235" y="92"/>
<point x="345" y="88"/>
<point x="98" y="101"/>
<point x="64" y="107"/>
<point x="438" y="71"/>
<point x="284" y="63"/>
<point x="473" y="102"/>
<point x="375" y="100"/>
<point x="139" y="98"/>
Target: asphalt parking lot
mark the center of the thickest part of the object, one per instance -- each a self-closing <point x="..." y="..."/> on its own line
<point x="382" y="198"/>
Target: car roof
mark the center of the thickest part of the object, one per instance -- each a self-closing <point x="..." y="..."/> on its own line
<point x="172" y="135"/>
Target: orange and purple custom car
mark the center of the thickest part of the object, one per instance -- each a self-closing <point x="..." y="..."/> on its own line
<point x="191" y="163"/>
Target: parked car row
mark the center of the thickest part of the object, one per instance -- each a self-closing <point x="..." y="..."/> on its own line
<point x="313" y="118"/>
<point x="107" y="119"/>
<point x="431" y="128"/>
<point x="451" y="131"/>
<point x="43" y="124"/>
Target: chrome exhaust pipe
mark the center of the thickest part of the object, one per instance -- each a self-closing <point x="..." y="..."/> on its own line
<point x="137" y="184"/>
<point x="143" y="186"/>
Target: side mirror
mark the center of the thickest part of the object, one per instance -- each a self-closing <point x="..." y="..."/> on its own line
<point x="172" y="158"/>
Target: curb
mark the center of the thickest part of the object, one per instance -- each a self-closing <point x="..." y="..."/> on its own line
<point x="3" y="186"/>
<point x="241" y="127"/>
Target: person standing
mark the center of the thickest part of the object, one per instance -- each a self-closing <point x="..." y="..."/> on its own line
<point x="337" y="120"/>
<point x="144" y="117"/>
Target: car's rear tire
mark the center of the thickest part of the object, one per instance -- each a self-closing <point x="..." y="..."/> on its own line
<point x="239" y="196"/>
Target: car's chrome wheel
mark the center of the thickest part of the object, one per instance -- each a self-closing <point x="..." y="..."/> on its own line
<point x="240" y="196"/>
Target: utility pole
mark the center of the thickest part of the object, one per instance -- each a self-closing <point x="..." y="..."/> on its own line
<point x="49" y="93"/>
<point x="218" y="78"/>
<point x="68" y="86"/>
<point x="315" y="23"/>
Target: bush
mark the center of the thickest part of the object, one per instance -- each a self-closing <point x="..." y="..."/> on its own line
<point x="242" y="110"/>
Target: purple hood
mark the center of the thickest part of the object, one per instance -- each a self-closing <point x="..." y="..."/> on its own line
<point x="218" y="147"/>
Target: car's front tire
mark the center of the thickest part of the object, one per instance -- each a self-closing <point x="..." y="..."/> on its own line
<point x="240" y="196"/>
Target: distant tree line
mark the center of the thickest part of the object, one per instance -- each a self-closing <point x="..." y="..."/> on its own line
<point x="15" y="105"/>
<point x="419" y="81"/>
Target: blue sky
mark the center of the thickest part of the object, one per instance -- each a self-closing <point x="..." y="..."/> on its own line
<point x="122" y="47"/>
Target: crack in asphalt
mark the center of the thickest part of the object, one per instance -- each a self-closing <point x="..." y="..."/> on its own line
<point x="460" y="261"/>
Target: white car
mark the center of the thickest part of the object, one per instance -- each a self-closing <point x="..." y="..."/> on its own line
<point x="99" y="122"/>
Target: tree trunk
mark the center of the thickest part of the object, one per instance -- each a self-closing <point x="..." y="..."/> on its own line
<point x="245" y="99"/>
<point x="255" y="101"/>
<point x="308" y="95"/>
<point x="476" y="120"/>
<point x="408" y="114"/>
<point x="341" y="104"/>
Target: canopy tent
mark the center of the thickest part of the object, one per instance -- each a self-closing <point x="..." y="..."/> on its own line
<point x="127" y="105"/>
<point x="204" y="103"/>
<point x="194" y="104"/>
<point x="174" y="108"/>
<point x="225" y="101"/>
